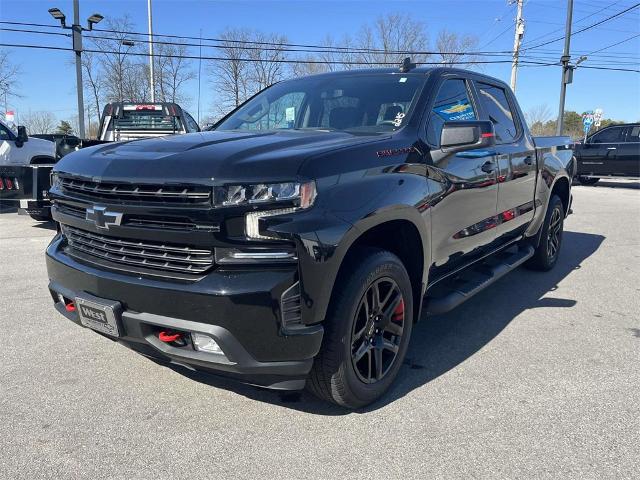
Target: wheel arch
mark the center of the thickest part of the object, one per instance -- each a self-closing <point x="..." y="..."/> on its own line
<point x="402" y="236"/>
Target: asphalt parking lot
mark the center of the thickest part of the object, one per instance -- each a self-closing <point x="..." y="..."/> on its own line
<point x="537" y="376"/>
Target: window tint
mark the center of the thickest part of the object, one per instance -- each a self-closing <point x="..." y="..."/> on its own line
<point x="634" y="135"/>
<point x="451" y="104"/>
<point x="495" y="103"/>
<point x="608" y="135"/>
<point x="192" y="125"/>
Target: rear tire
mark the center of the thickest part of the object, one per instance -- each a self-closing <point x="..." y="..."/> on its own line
<point x="588" y="180"/>
<point x="365" y="341"/>
<point x="548" y="250"/>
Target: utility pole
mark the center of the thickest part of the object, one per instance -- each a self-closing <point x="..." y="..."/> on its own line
<point x="152" y="83"/>
<point x="567" y="70"/>
<point x="519" y="34"/>
<point x="77" y="48"/>
<point x="77" y="30"/>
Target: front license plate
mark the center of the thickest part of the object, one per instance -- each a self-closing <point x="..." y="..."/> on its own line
<point x="101" y="318"/>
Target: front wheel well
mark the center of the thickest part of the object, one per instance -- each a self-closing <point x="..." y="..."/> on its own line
<point x="561" y="189"/>
<point x="402" y="238"/>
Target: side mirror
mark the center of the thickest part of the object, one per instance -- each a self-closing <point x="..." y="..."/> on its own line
<point x="22" y="136"/>
<point x="462" y="136"/>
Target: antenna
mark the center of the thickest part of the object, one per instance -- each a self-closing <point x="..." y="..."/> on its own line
<point x="406" y="65"/>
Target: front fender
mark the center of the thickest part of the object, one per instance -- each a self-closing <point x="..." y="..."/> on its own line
<point x="325" y="234"/>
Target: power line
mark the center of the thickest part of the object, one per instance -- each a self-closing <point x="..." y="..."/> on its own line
<point x="258" y="60"/>
<point x="527" y="63"/>
<point x="614" y="44"/>
<point x="594" y="25"/>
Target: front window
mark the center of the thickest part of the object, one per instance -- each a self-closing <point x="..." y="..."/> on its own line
<point x="354" y="103"/>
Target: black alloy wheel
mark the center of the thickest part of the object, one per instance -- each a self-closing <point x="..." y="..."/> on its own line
<point x="554" y="234"/>
<point x="377" y="330"/>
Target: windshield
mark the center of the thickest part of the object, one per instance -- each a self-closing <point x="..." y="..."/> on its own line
<point x="146" y="120"/>
<point x="359" y="103"/>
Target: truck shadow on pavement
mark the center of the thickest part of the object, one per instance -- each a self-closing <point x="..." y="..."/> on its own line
<point x="440" y="343"/>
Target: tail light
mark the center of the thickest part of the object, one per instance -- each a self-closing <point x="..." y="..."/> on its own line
<point x="8" y="183"/>
<point x="1" y="184"/>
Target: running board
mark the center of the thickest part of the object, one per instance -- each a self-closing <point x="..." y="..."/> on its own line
<point x="477" y="278"/>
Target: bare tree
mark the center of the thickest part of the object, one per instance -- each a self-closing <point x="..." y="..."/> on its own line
<point x="39" y="122"/>
<point x="232" y="74"/>
<point x="124" y="76"/>
<point x="93" y="84"/>
<point x="267" y="66"/>
<point x="9" y="73"/>
<point x="389" y="38"/>
<point x="173" y="71"/>
<point x="537" y="118"/>
<point x="453" y="49"/>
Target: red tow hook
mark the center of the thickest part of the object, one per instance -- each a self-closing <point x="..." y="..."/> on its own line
<point x="169" y="337"/>
<point x="70" y="307"/>
<point x="175" y="339"/>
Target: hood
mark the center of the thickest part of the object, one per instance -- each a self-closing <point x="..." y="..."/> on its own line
<point x="40" y="146"/>
<point x="208" y="157"/>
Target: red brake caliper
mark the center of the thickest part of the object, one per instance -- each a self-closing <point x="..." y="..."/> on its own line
<point x="398" y="313"/>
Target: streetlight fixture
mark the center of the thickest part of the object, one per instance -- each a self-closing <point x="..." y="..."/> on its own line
<point x="58" y="15"/>
<point x="77" y="30"/>
<point x="94" y="20"/>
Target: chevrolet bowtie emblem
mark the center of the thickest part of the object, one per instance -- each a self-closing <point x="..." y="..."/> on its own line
<point x="102" y="218"/>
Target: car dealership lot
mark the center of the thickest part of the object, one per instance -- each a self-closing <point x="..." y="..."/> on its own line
<point x="535" y="377"/>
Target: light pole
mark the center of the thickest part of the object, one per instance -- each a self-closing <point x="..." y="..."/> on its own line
<point x="77" y="30"/>
<point x="151" y="74"/>
<point x="567" y="70"/>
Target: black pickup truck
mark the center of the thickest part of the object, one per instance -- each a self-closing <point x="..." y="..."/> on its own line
<point x="613" y="152"/>
<point x="296" y="242"/>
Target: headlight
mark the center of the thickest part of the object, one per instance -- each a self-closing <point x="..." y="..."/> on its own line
<point x="301" y="194"/>
<point x="55" y="180"/>
<point x="285" y="198"/>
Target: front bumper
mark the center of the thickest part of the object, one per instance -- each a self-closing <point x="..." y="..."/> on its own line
<point x="238" y="308"/>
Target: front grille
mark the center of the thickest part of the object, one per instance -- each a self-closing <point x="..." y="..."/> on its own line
<point x="143" y="193"/>
<point x="146" y="221"/>
<point x="137" y="254"/>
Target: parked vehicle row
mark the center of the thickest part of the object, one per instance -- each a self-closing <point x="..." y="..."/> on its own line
<point x="300" y="240"/>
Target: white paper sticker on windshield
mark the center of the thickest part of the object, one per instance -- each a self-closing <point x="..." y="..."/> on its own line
<point x="290" y="114"/>
<point x="403" y="79"/>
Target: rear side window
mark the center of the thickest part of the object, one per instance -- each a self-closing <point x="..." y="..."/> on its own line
<point x="608" y="135"/>
<point x="495" y="103"/>
<point x="452" y="104"/>
<point x="634" y="135"/>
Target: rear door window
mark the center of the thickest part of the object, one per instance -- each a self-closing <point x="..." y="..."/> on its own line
<point x="496" y="106"/>
<point x="452" y="104"/>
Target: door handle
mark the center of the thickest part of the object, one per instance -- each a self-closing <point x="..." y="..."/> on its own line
<point x="488" y="167"/>
<point x="611" y="148"/>
<point x="528" y="160"/>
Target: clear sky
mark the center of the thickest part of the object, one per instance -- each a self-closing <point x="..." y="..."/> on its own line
<point x="48" y="77"/>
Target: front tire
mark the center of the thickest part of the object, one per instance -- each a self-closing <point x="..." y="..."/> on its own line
<point x="548" y="250"/>
<point x="367" y="331"/>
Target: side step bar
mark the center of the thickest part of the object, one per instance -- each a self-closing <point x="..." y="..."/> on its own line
<point x="477" y="278"/>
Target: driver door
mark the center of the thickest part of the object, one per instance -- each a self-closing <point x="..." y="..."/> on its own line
<point x="464" y="202"/>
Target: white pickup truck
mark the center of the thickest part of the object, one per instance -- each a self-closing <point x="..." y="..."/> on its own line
<point x="25" y="162"/>
<point x="16" y="148"/>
